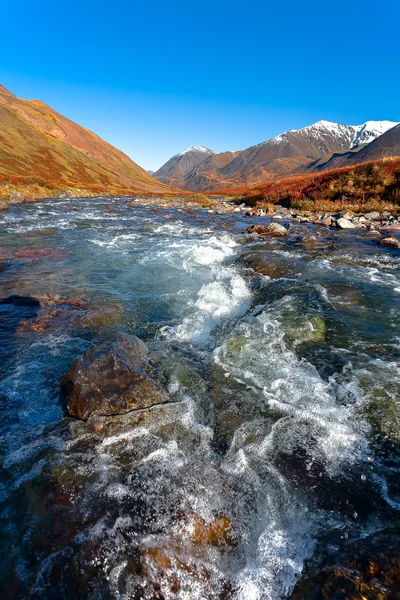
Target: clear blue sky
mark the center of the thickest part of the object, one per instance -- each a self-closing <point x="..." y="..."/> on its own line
<point x="155" y="77"/>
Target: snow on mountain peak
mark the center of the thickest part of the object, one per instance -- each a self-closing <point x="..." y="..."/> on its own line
<point x="370" y="130"/>
<point x="196" y="149"/>
<point x="356" y="135"/>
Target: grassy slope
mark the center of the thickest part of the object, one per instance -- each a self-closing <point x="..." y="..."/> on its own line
<point x="370" y="186"/>
<point x="39" y="147"/>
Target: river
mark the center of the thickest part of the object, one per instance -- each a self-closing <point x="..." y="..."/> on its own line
<point x="281" y="438"/>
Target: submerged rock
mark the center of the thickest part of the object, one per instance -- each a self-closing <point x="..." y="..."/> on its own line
<point x="111" y="379"/>
<point x="366" y="569"/>
<point x="271" y="229"/>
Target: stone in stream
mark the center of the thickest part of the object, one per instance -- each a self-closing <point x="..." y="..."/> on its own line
<point x="112" y="378"/>
<point x="390" y="241"/>
<point x="343" y="223"/>
<point x="365" y="569"/>
<point x="372" y="215"/>
<point x="273" y="229"/>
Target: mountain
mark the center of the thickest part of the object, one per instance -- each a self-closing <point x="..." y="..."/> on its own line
<point x="38" y="142"/>
<point x="386" y="145"/>
<point x="180" y="164"/>
<point x="206" y="172"/>
<point x="291" y="150"/>
<point x="295" y="151"/>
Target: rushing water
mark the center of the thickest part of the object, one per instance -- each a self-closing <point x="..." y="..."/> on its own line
<point x="281" y="438"/>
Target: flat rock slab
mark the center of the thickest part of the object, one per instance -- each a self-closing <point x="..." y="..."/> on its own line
<point x="112" y="378"/>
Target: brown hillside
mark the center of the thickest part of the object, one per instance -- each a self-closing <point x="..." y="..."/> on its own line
<point x="38" y="142"/>
<point x="369" y="186"/>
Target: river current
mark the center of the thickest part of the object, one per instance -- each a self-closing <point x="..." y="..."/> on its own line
<point x="281" y="438"/>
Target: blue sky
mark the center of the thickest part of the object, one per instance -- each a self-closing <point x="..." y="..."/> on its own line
<point x="153" y="78"/>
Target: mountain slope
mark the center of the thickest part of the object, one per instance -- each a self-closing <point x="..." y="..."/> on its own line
<point x="386" y="145"/>
<point x="360" y="188"/>
<point x="295" y="151"/>
<point x="291" y="150"/>
<point x="206" y="173"/>
<point x="36" y="141"/>
<point x="180" y="164"/>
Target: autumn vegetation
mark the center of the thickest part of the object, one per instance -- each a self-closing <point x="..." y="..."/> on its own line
<point x="362" y="188"/>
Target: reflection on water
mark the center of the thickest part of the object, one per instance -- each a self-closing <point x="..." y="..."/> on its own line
<point x="281" y="438"/>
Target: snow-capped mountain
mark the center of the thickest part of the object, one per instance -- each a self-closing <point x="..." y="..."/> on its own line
<point x="348" y="136"/>
<point x="298" y="148"/>
<point x="197" y="167"/>
<point x="369" y="131"/>
<point x="180" y="164"/>
<point x="197" y="149"/>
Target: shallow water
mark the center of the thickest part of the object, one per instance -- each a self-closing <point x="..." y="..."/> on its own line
<point x="281" y="438"/>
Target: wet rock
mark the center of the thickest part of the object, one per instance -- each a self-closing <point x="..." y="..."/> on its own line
<point x="366" y="569"/>
<point x="43" y="232"/>
<point x="310" y="328"/>
<point x="39" y="253"/>
<point x="343" y="223"/>
<point x="270" y="266"/>
<point x="392" y="226"/>
<point x="110" y="379"/>
<point x="272" y="229"/>
<point x="216" y="533"/>
<point x="383" y="413"/>
<point x="390" y="241"/>
<point x="15" y="300"/>
<point x="310" y="241"/>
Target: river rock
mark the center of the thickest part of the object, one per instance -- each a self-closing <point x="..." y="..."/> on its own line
<point x="372" y="215"/>
<point x="327" y="221"/>
<point x="111" y="379"/>
<point x="343" y="223"/>
<point x="273" y="229"/>
<point x="366" y="569"/>
<point x="390" y="241"/>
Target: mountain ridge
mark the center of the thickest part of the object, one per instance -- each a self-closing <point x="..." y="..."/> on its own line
<point x="296" y="150"/>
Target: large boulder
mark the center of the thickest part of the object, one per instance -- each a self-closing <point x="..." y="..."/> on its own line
<point x="111" y="379"/>
<point x="273" y="229"/>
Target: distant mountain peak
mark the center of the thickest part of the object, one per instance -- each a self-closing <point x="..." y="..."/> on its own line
<point x="196" y="149"/>
<point x="370" y="130"/>
<point x="354" y="134"/>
